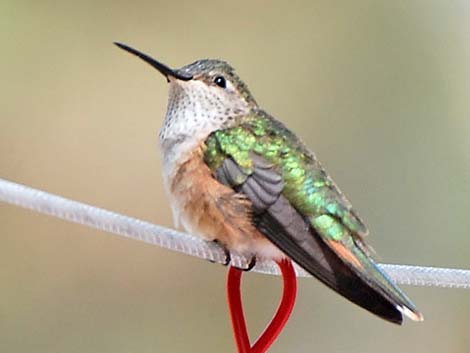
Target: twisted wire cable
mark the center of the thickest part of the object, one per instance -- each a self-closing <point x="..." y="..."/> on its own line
<point x="95" y="217"/>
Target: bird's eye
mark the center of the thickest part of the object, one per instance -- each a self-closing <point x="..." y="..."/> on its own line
<point x="220" y="81"/>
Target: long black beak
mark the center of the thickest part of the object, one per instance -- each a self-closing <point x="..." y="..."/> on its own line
<point x="164" y="70"/>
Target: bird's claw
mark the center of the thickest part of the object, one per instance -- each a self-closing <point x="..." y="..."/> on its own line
<point x="228" y="257"/>
<point x="251" y="264"/>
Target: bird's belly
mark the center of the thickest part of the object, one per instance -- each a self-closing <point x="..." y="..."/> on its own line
<point x="213" y="211"/>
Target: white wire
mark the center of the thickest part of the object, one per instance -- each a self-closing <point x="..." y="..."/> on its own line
<point x="129" y="227"/>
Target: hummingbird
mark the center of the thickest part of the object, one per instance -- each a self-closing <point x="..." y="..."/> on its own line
<point x="237" y="176"/>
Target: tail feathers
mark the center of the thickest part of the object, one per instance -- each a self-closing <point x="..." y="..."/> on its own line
<point x="366" y="269"/>
<point x="341" y="278"/>
<point x="413" y="315"/>
<point x="301" y="243"/>
<point x="321" y="262"/>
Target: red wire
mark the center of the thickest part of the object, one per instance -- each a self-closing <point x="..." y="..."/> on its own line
<point x="275" y="327"/>
<point x="236" y="310"/>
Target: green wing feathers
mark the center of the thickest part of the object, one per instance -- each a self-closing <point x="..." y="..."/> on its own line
<point x="307" y="186"/>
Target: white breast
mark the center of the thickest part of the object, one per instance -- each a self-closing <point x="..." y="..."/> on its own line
<point x="194" y="111"/>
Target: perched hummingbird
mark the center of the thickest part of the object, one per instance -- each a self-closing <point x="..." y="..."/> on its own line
<point x="237" y="176"/>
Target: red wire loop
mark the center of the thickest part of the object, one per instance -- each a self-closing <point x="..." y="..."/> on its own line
<point x="275" y="327"/>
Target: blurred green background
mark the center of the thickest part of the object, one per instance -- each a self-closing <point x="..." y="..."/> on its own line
<point x="379" y="89"/>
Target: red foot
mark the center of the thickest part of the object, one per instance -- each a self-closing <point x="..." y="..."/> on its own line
<point x="275" y="327"/>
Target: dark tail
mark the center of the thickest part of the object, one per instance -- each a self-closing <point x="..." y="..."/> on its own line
<point x="296" y="238"/>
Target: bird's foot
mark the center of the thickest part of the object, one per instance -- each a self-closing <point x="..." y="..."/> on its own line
<point x="228" y="257"/>
<point x="251" y="264"/>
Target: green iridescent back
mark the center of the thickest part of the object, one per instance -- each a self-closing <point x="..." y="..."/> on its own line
<point x="306" y="185"/>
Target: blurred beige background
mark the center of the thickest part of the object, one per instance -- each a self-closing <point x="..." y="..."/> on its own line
<point x="380" y="90"/>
